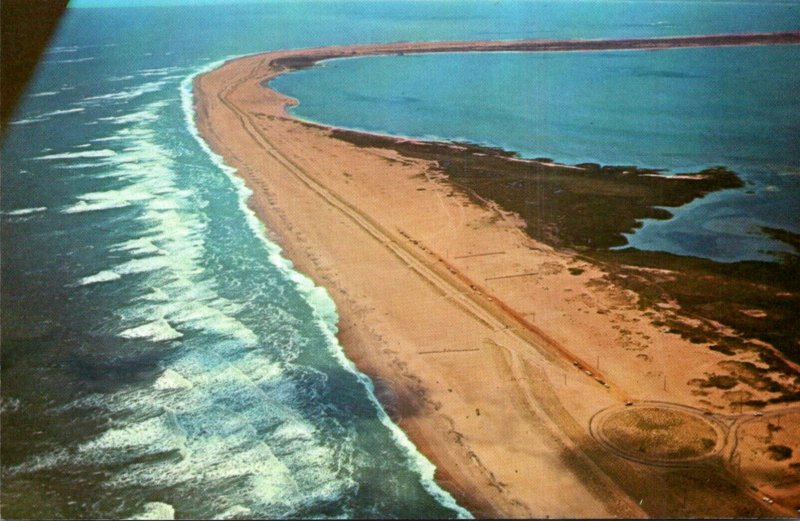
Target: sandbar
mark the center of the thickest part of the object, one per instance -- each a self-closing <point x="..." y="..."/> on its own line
<point x="507" y="360"/>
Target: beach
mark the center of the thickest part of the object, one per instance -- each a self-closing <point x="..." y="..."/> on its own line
<point x="515" y="366"/>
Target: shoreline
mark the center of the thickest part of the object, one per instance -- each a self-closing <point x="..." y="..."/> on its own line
<point x="461" y="391"/>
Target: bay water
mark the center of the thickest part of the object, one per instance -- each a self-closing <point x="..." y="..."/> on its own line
<point x="679" y="110"/>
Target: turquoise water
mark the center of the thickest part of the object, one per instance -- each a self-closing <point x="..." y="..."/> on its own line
<point x="159" y="356"/>
<point x="679" y="110"/>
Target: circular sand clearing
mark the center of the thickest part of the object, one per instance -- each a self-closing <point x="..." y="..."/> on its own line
<point x="654" y="433"/>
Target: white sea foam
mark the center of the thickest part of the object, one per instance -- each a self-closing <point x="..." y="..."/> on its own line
<point x="94" y="201"/>
<point x="103" y="276"/>
<point x="83" y="206"/>
<point x="171" y="380"/>
<point x="156" y="295"/>
<point x="163" y="71"/>
<point x="235" y="512"/>
<point x="173" y="242"/>
<point x="80" y="166"/>
<point x="121" y="78"/>
<point x="42" y="94"/>
<point x="142" y="245"/>
<point x="156" y="510"/>
<point x="225" y="448"/>
<point x="25" y="211"/>
<point x="217" y="422"/>
<point x="207" y="318"/>
<point x="84" y="154"/>
<point x="143" y="116"/>
<point x="27" y="121"/>
<point x="143" y="265"/>
<point x="153" y="434"/>
<point x="59" y="50"/>
<point x="175" y="237"/>
<point x="157" y="331"/>
<point x="60" y="112"/>
<point x="75" y="60"/>
<point x="39" y="462"/>
<point x="9" y="404"/>
<point x="128" y="94"/>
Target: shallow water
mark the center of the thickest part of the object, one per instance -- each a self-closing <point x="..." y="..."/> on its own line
<point x="679" y="110"/>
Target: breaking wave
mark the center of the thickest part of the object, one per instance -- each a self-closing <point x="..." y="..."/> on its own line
<point x="25" y="211"/>
<point x="91" y="154"/>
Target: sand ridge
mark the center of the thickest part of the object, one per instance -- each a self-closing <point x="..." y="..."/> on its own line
<point x="486" y="346"/>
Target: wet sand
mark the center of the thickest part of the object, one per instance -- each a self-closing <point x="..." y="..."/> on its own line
<point x="493" y="350"/>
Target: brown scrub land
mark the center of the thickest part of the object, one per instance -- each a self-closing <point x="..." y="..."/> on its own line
<point x="541" y="372"/>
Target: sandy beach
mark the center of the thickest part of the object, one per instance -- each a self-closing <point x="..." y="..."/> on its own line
<point x="522" y="371"/>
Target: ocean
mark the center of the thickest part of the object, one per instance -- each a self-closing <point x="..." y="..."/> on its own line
<point x="160" y="358"/>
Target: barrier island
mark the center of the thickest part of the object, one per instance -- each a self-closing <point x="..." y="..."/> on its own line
<point x="543" y="372"/>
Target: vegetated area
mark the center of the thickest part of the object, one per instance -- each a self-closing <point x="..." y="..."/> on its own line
<point x="660" y="433"/>
<point x="587" y="208"/>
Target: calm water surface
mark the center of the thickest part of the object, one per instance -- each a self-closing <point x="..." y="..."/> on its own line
<point x="679" y="110"/>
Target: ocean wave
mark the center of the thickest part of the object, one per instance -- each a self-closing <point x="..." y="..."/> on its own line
<point x="138" y="246"/>
<point x="171" y="380"/>
<point x="42" y="94"/>
<point x="80" y="166"/>
<point x="206" y="422"/>
<point x="172" y="241"/>
<point x="46" y="116"/>
<point x="132" y="133"/>
<point x="95" y="201"/>
<point x="211" y="320"/>
<point x="155" y="295"/>
<point x="85" y="154"/>
<point x="156" y="510"/>
<point x="48" y="460"/>
<point x="60" y="112"/>
<point x="191" y="305"/>
<point x="143" y="265"/>
<point x="148" y="115"/>
<point x="222" y="428"/>
<point x="155" y="435"/>
<point x="128" y="94"/>
<point x="121" y="78"/>
<point x="25" y="211"/>
<point x="83" y="206"/>
<point x="235" y="512"/>
<point x="75" y="60"/>
<point x="9" y="404"/>
<point x="27" y="121"/>
<point x="59" y="50"/>
<point x="102" y="276"/>
<point x="157" y="331"/>
<point x="163" y="71"/>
